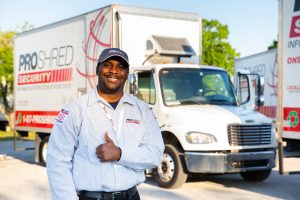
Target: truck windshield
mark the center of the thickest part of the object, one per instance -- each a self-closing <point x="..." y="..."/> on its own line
<point x="185" y="86"/>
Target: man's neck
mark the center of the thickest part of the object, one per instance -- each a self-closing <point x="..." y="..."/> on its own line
<point x="111" y="97"/>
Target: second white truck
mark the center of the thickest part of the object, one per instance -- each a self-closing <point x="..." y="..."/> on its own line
<point x="265" y="65"/>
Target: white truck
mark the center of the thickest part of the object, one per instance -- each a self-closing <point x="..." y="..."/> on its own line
<point x="203" y="125"/>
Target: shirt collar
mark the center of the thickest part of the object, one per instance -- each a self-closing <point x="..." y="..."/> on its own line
<point x="93" y="98"/>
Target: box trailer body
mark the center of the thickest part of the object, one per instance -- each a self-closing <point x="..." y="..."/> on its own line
<point x="56" y="63"/>
<point x="288" y="125"/>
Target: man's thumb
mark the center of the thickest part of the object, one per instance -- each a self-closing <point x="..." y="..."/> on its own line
<point x="108" y="140"/>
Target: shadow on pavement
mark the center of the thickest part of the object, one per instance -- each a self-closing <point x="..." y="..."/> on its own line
<point x="3" y="197"/>
<point x="7" y="149"/>
<point x="276" y="185"/>
<point x="160" y="193"/>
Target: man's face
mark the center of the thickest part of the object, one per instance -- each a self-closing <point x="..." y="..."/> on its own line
<point x="112" y="75"/>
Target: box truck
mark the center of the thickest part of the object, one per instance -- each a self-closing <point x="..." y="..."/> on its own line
<point x="288" y="77"/>
<point x="204" y="128"/>
<point x="265" y="65"/>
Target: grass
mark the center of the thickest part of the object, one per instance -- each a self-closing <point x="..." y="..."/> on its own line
<point x="8" y="135"/>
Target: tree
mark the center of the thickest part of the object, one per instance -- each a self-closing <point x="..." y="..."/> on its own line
<point x="273" y="45"/>
<point x="216" y="50"/>
<point x="6" y="69"/>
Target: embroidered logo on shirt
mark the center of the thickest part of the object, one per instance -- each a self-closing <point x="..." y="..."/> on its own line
<point x="133" y="121"/>
<point x="61" y="116"/>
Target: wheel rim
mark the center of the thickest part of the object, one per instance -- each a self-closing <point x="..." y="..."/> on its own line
<point x="44" y="151"/>
<point x="166" y="169"/>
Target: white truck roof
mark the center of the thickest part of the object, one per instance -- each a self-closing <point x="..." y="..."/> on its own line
<point x="178" y="65"/>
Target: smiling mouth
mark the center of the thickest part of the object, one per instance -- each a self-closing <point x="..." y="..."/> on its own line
<point x="113" y="79"/>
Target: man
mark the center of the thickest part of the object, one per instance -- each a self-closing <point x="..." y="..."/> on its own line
<point x="102" y="142"/>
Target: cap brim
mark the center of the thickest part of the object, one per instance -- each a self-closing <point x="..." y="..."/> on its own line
<point x="117" y="56"/>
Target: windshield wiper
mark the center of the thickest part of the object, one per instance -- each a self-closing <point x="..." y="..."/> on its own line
<point x="221" y="101"/>
<point x="189" y="102"/>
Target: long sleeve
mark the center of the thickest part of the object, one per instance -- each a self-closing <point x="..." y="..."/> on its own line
<point x="150" y="151"/>
<point x="61" y="147"/>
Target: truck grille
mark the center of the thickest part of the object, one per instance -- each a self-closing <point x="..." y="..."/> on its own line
<point x="239" y="135"/>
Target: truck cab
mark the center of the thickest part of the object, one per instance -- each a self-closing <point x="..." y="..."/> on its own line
<point x="204" y="127"/>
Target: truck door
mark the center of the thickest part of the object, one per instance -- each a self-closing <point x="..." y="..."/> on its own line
<point x="143" y="87"/>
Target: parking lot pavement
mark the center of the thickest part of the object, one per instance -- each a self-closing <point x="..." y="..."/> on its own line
<point x="22" y="179"/>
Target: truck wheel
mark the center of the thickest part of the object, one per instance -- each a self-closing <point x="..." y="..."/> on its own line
<point x="256" y="176"/>
<point x="170" y="173"/>
<point x="43" y="150"/>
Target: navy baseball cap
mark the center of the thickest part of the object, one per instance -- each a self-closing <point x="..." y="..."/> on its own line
<point x="113" y="52"/>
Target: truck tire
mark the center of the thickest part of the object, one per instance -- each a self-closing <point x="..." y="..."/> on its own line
<point x="43" y="150"/>
<point x="256" y="176"/>
<point x="170" y="173"/>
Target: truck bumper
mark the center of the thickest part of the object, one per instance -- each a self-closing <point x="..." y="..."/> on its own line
<point x="199" y="162"/>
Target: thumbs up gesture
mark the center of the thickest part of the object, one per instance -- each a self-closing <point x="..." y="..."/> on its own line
<point x="108" y="151"/>
<point x="107" y="138"/>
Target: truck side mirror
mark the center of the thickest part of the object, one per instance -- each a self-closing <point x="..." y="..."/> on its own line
<point x="132" y="84"/>
<point x="243" y="88"/>
<point x="259" y="91"/>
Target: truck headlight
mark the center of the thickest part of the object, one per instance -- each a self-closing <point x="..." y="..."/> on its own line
<point x="200" y="138"/>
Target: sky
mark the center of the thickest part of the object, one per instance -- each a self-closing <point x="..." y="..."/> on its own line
<point x="253" y="24"/>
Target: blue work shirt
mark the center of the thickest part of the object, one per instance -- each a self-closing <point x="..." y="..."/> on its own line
<point x="72" y="164"/>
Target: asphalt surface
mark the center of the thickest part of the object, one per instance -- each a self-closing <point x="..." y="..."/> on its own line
<point x="22" y="179"/>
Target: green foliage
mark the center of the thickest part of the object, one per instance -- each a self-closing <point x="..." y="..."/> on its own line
<point x="216" y="50"/>
<point x="6" y="68"/>
<point x="273" y="45"/>
<point x="6" y="64"/>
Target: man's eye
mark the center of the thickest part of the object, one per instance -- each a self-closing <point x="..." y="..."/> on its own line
<point x="106" y="65"/>
<point x="122" y="67"/>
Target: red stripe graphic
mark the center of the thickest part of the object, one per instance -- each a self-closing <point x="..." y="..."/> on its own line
<point x="49" y="76"/>
<point x="41" y="119"/>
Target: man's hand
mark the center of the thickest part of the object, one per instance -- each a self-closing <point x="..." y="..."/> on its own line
<point x="108" y="151"/>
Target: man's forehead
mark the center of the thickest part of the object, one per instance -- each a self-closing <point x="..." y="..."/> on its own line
<point x="115" y="59"/>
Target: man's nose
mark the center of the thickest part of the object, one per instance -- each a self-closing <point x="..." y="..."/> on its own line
<point x="114" y="69"/>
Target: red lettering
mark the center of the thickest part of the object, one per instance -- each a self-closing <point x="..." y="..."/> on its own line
<point x="45" y="77"/>
<point x="293" y="60"/>
<point x="295" y="27"/>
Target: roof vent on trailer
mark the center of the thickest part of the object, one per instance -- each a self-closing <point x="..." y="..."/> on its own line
<point x="161" y="49"/>
<point x="169" y="46"/>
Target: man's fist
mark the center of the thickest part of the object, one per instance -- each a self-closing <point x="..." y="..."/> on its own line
<point x="108" y="151"/>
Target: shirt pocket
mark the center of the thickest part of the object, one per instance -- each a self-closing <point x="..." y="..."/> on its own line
<point x="132" y="132"/>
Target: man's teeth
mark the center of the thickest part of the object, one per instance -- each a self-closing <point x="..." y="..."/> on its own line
<point x="113" y="79"/>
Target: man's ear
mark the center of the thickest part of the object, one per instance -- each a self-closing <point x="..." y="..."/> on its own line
<point x="97" y="69"/>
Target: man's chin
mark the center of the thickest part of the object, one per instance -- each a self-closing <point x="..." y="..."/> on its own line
<point x="110" y="90"/>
